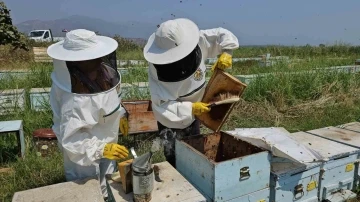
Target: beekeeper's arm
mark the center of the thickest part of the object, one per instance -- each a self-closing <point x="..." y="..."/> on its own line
<point x="81" y="147"/>
<point x="172" y="113"/>
<point x="219" y="41"/>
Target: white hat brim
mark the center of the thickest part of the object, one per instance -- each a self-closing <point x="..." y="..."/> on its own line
<point x="104" y="46"/>
<point x="156" y="55"/>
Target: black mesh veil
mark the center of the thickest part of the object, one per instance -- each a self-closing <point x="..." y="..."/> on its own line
<point x="106" y="75"/>
<point x="180" y="70"/>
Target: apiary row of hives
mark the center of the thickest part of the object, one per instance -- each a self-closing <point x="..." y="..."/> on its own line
<point x="264" y="164"/>
<point x="267" y="164"/>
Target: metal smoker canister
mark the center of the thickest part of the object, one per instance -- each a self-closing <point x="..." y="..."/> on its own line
<point x="142" y="178"/>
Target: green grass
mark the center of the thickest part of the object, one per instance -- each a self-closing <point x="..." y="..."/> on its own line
<point x="253" y="67"/>
<point x="301" y="102"/>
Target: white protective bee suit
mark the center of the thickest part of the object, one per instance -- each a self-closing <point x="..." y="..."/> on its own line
<point x="172" y="101"/>
<point x="84" y="123"/>
<point x="176" y="53"/>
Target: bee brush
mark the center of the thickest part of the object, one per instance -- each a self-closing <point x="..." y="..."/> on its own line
<point x="225" y="98"/>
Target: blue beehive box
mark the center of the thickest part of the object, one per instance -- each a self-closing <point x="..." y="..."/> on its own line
<point x="345" y="134"/>
<point x="355" y="127"/>
<point x="337" y="173"/>
<point x="292" y="181"/>
<point x="224" y="168"/>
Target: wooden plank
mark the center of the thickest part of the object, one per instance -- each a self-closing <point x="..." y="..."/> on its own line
<point x="174" y="187"/>
<point x="39" y="48"/>
<point x="326" y="148"/>
<point x="80" y="191"/>
<point x="353" y="126"/>
<point x="126" y="175"/>
<point x="347" y="137"/>
<point x="40" y="51"/>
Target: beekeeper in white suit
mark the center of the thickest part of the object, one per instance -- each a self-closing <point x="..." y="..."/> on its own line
<point x="86" y="104"/>
<point x="176" y="53"/>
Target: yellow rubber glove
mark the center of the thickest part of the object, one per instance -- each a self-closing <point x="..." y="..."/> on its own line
<point x="124" y="126"/>
<point x="115" y="151"/>
<point x="199" y="108"/>
<point x="224" y="61"/>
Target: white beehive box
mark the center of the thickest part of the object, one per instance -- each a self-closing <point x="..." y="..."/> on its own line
<point x="345" y="134"/>
<point x="39" y="98"/>
<point x="11" y="100"/>
<point x="355" y="127"/>
<point x="292" y="181"/>
<point x="294" y="176"/>
<point x="223" y="167"/>
<point x="338" y="172"/>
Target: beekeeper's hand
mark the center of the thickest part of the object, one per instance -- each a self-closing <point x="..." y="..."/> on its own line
<point x="124" y="126"/>
<point x="115" y="151"/>
<point x="224" y="61"/>
<point x="199" y="108"/>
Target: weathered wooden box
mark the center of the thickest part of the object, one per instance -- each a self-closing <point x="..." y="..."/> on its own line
<point x="221" y="166"/>
<point x="11" y="100"/>
<point x="141" y="116"/>
<point x="291" y="181"/>
<point x="338" y="172"/>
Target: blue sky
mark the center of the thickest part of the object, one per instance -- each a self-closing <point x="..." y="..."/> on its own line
<point x="253" y="21"/>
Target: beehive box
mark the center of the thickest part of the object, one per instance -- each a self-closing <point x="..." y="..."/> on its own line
<point x="141" y="117"/>
<point x="355" y="127"/>
<point x="345" y="134"/>
<point x="11" y="99"/>
<point x="291" y="181"/>
<point x="338" y="172"/>
<point x="221" y="166"/>
<point x="39" y="98"/>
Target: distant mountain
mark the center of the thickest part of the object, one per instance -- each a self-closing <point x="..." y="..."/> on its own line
<point x="135" y="31"/>
<point x="139" y="32"/>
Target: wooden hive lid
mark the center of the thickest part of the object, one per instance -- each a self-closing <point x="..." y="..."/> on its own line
<point x="220" y="82"/>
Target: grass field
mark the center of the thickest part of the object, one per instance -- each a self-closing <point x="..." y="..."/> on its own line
<point x="297" y="103"/>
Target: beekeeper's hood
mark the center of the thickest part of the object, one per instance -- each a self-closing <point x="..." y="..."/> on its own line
<point x="173" y="51"/>
<point x="83" y="45"/>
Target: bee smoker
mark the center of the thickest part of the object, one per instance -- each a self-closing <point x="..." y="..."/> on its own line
<point x="142" y="177"/>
